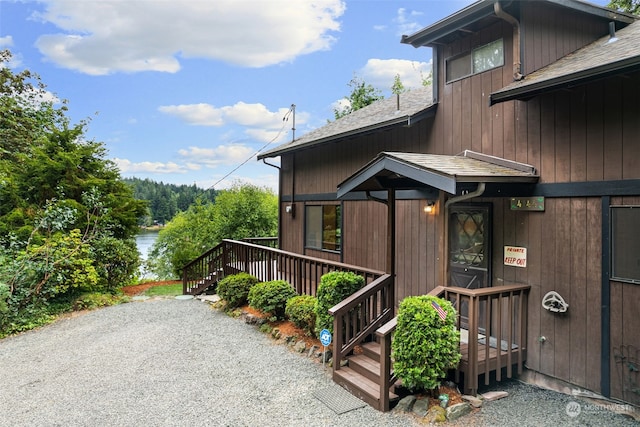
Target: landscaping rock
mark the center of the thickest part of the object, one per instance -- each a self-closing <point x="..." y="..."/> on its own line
<point x="275" y="333"/>
<point x="476" y="402"/>
<point x="325" y="356"/>
<point x="494" y="395"/>
<point x="405" y="404"/>
<point x="420" y="407"/>
<point x="435" y="415"/>
<point x="300" y="346"/>
<point x="456" y="411"/>
<point x="312" y="351"/>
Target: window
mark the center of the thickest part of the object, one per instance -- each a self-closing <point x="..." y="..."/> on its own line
<point x="480" y="59"/>
<point x="625" y="243"/>
<point x="322" y="227"/>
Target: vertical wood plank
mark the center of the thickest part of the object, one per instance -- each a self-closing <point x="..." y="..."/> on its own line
<point x="577" y="305"/>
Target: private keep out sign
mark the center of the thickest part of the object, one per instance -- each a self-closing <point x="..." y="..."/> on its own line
<point x="515" y="256"/>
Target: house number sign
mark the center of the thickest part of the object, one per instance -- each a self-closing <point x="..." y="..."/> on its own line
<point x="527" y="203"/>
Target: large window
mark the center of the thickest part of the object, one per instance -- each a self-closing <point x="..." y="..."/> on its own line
<point x="322" y="227"/>
<point x="625" y="243"/>
<point x="480" y="59"/>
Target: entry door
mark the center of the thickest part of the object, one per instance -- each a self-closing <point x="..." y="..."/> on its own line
<point x="470" y="249"/>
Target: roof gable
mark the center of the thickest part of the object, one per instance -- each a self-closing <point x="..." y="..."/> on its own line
<point x="402" y="110"/>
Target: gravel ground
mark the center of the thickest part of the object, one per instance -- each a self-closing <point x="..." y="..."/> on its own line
<point x="167" y="362"/>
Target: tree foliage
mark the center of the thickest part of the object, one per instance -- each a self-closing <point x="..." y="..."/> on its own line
<point x="244" y="210"/>
<point x="67" y="220"/>
<point x="629" y="6"/>
<point x="166" y="200"/>
<point x="362" y="94"/>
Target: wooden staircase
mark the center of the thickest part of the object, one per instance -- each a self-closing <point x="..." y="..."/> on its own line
<point x="361" y="376"/>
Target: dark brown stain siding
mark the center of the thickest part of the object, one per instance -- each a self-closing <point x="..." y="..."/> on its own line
<point x="585" y="133"/>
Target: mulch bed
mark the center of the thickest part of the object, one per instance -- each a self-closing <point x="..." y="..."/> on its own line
<point x="132" y="291"/>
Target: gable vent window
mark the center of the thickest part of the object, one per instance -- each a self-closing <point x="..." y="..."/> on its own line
<point x="480" y="59"/>
<point x="322" y="227"/>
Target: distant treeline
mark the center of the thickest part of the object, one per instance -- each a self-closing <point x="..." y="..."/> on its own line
<point x="166" y="200"/>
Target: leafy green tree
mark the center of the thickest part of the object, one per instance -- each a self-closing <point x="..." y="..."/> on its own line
<point x="397" y="88"/>
<point x="629" y="6"/>
<point x="244" y="210"/>
<point x="362" y="94"/>
<point x="67" y="220"/>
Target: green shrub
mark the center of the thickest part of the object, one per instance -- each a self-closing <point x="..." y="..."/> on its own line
<point x="425" y="346"/>
<point x="271" y="297"/>
<point x="301" y="310"/>
<point x="93" y="300"/>
<point x="234" y="289"/>
<point x="333" y="288"/>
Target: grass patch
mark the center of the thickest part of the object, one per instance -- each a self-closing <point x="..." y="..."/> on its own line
<point x="164" y="290"/>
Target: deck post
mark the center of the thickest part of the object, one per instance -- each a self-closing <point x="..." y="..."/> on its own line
<point x="391" y="245"/>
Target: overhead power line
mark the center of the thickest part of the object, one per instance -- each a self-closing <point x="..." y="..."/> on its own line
<point x="285" y="119"/>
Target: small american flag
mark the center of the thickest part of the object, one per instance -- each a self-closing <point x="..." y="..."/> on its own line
<point x="441" y="312"/>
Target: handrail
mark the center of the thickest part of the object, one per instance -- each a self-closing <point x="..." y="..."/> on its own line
<point x="359" y="315"/>
<point x="266" y="263"/>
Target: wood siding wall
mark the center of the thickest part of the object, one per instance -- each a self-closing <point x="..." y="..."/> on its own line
<point x="585" y="133"/>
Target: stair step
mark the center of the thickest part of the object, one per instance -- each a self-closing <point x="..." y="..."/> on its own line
<point x="371" y="349"/>
<point x="366" y="366"/>
<point x="361" y="386"/>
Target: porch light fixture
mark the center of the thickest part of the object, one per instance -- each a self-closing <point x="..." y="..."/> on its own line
<point x="430" y="207"/>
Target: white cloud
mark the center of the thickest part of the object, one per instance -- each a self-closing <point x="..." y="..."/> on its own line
<point x="6" y="41"/>
<point x="195" y="114"/>
<point x="262" y="125"/>
<point x="103" y="37"/>
<point x="406" y="21"/>
<point x="380" y="73"/>
<point x="220" y="155"/>
<point x="128" y="167"/>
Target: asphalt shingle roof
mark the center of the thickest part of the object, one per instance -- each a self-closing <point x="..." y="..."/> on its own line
<point x="414" y="105"/>
<point x="595" y="60"/>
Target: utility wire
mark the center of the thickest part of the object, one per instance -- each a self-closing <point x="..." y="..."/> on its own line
<point x="285" y="119"/>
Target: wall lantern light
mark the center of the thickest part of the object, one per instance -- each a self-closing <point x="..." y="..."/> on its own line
<point x="430" y="207"/>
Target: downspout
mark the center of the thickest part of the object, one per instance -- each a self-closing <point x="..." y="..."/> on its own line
<point x="517" y="66"/>
<point x="477" y="193"/>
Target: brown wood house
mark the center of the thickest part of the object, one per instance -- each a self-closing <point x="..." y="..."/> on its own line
<point x="520" y="165"/>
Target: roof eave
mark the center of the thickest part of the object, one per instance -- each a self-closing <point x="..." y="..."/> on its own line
<point x="406" y="120"/>
<point x="568" y="80"/>
<point x="427" y="36"/>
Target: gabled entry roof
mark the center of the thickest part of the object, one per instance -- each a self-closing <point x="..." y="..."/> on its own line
<point x="401" y="171"/>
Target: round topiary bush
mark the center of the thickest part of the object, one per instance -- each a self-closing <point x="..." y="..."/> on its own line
<point x="333" y="288"/>
<point x="301" y="310"/>
<point x="234" y="289"/>
<point x="271" y="297"/>
<point x="425" y="346"/>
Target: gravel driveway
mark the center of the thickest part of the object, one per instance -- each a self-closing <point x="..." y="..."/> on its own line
<point x="163" y="362"/>
<point x="167" y="362"/>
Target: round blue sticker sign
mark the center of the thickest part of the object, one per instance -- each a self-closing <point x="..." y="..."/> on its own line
<point x="325" y="337"/>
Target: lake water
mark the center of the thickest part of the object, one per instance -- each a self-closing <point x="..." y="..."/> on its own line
<point x="144" y="241"/>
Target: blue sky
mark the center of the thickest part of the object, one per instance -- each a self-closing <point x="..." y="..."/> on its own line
<point x="185" y="91"/>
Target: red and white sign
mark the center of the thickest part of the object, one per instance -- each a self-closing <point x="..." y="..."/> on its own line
<point x="515" y="256"/>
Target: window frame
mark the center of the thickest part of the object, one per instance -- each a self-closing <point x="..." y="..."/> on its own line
<point x="324" y="245"/>
<point x="613" y="247"/>
<point x="471" y="65"/>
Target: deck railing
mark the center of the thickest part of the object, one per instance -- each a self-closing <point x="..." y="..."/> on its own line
<point x="496" y="320"/>
<point x="266" y="263"/>
<point x="360" y="315"/>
